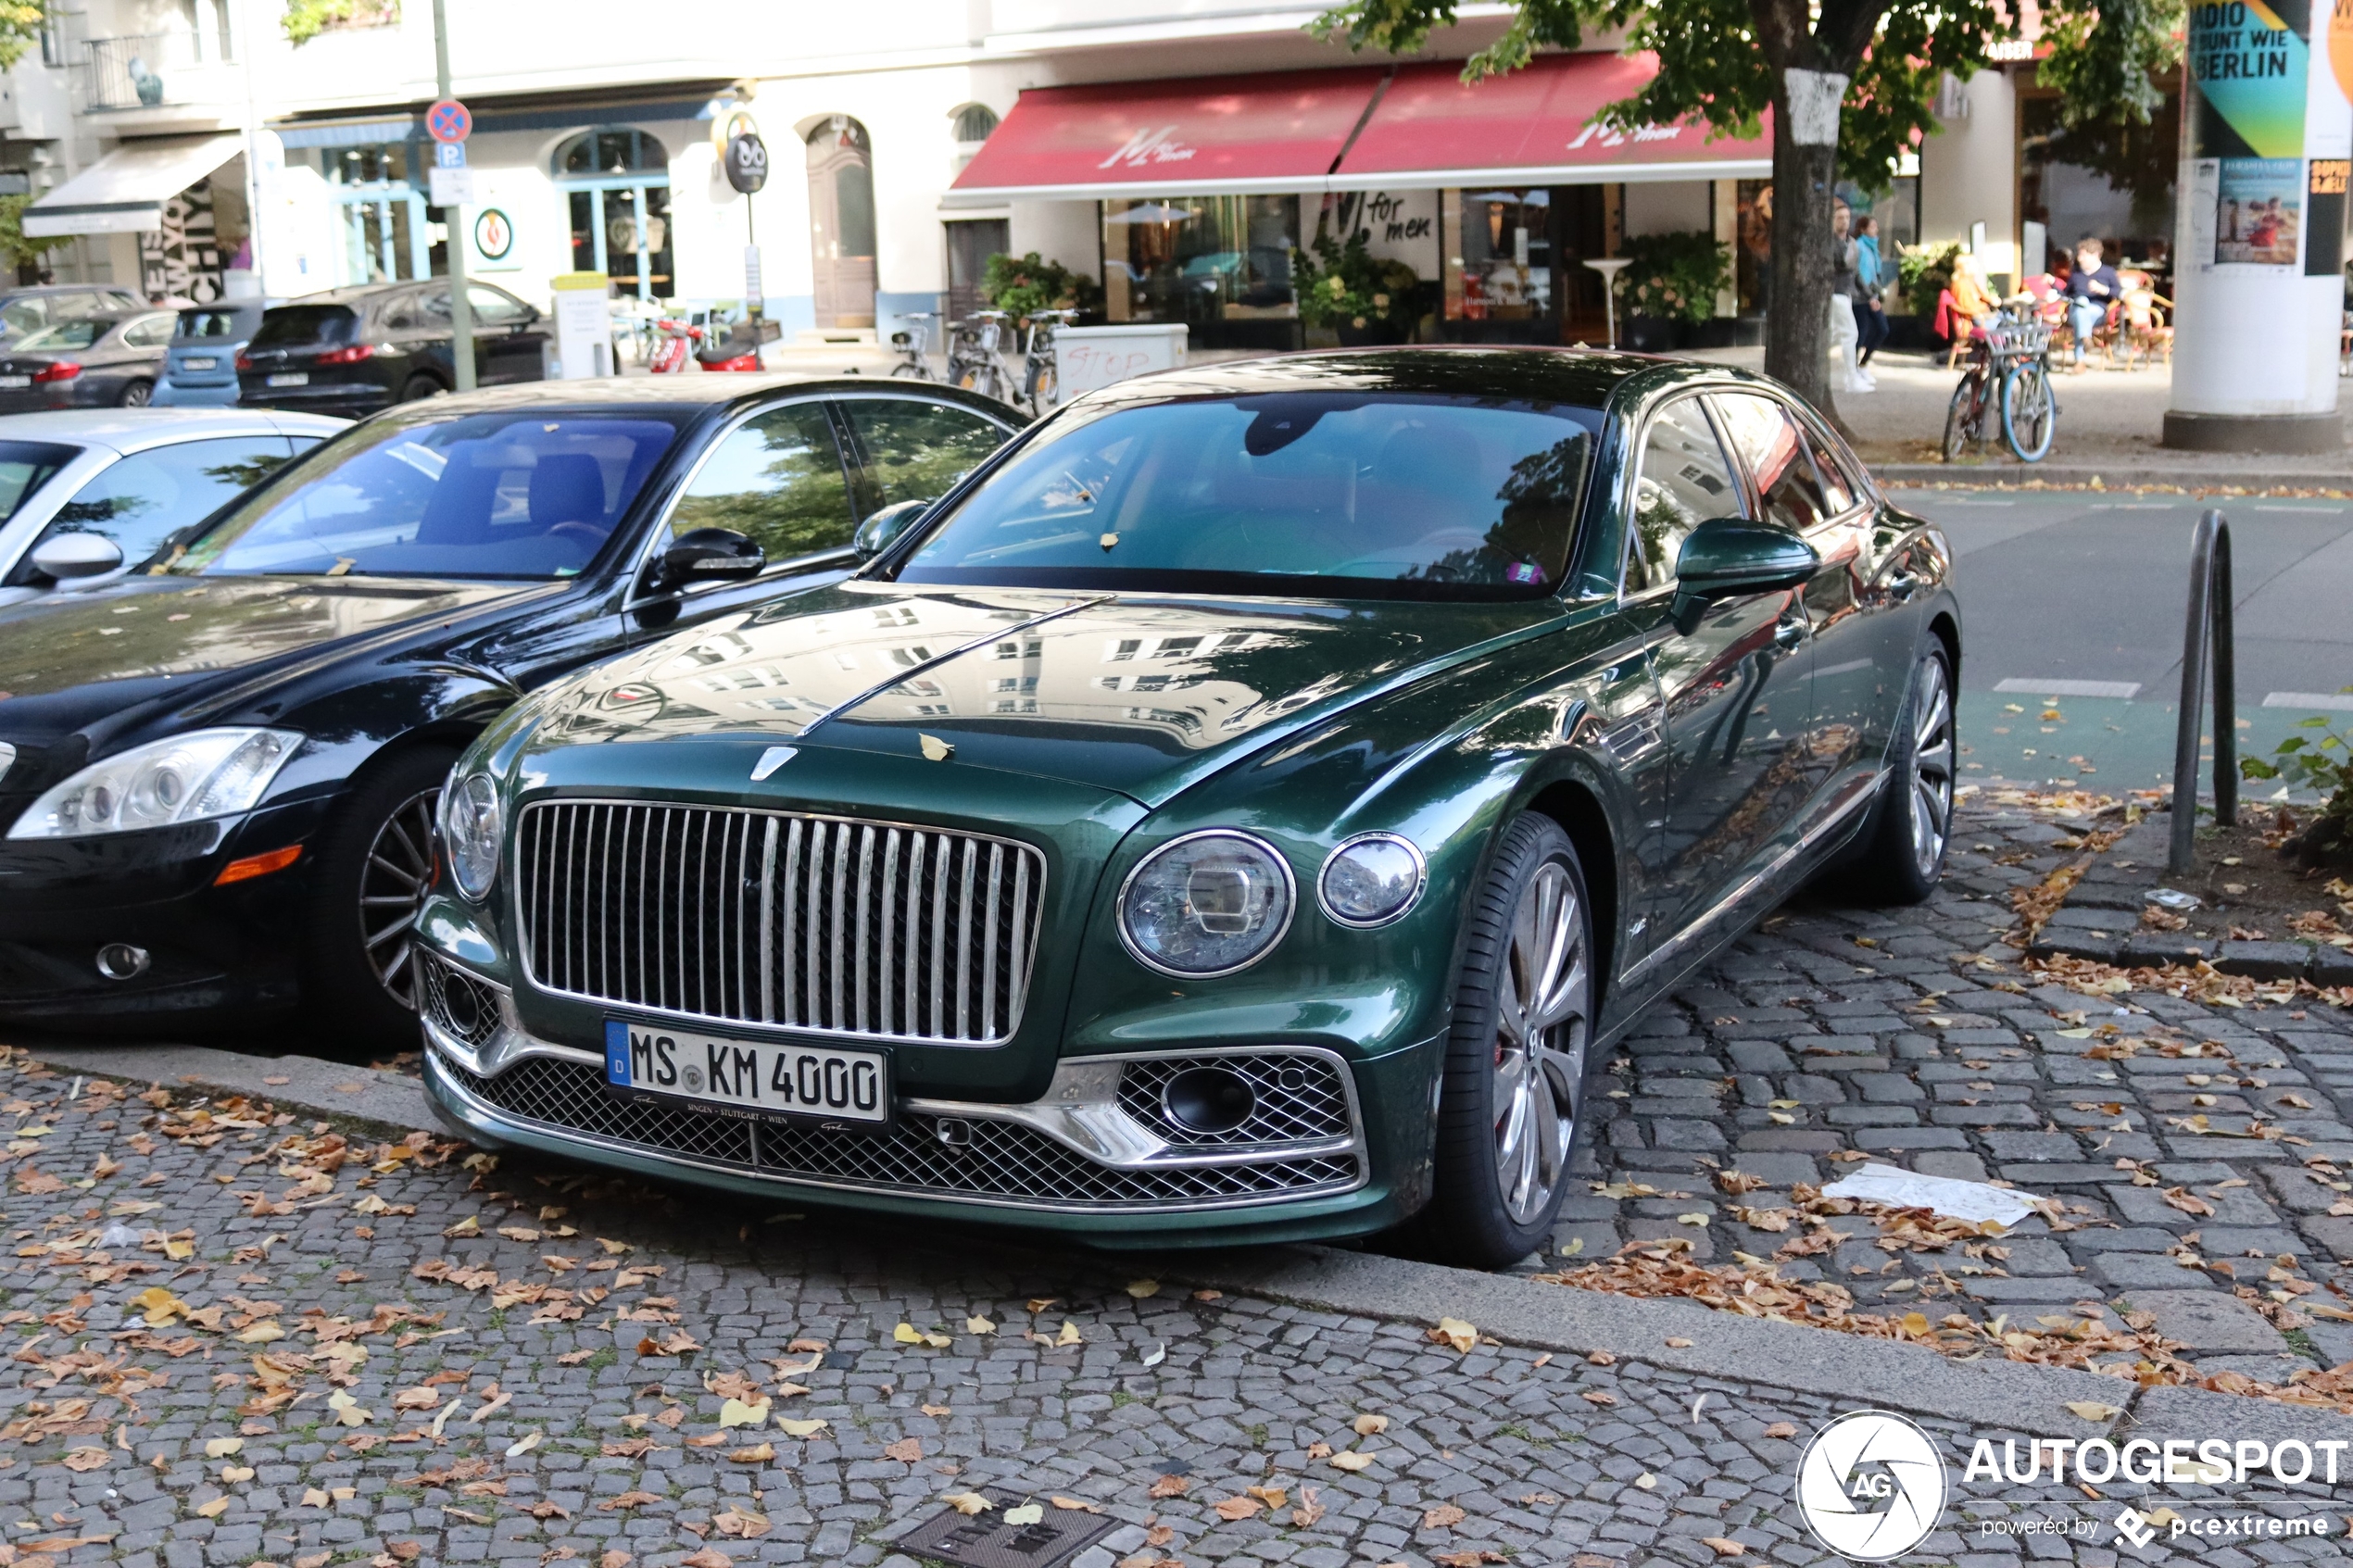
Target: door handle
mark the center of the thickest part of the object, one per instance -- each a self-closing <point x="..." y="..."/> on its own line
<point x="1789" y="634"/>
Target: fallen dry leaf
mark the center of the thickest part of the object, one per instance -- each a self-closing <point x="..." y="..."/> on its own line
<point x="1230" y="1509"/>
<point x="1781" y="1429"/>
<point x="1366" y="1426"/>
<point x="2092" y="1409"/>
<point x="1353" y="1462"/>
<point x="1075" y="1504"/>
<point x="967" y="1502"/>
<point x="759" y="1453"/>
<point x="709" y="1557"/>
<point x="1444" y="1516"/>
<point x="1454" y="1331"/>
<point x="907" y="1450"/>
<point x="1724" y="1545"/>
<point x="1598" y="1397"/>
<point x="86" y="1459"/>
<point x="1170" y="1486"/>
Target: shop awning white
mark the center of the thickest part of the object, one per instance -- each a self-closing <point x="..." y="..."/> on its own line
<point x="124" y="191"/>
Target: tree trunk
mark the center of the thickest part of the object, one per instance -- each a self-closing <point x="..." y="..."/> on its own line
<point x="1798" y="303"/>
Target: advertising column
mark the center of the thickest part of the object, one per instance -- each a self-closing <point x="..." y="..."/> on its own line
<point x="2260" y="240"/>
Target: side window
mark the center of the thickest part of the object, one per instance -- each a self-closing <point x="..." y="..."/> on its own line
<point x="915" y="451"/>
<point x="492" y="308"/>
<point x="1838" y="484"/>
<point x="1767" y="440"/>
<point x="150" y="494"/>
<point x="1683" y="481"/>
<point x="152" y="333"/>
<point x="777" y="478"/>
<point x="400" y="316"/>
<point x="25" y="315"/>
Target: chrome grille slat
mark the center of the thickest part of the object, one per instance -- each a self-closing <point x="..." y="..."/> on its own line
<point x="828" y="925"/>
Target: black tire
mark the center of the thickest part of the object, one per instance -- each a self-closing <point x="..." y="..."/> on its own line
<point x="416" y="389"/>
<point x="137" y="394"/>
<point x="1495" y="1200"/>
<point x="1899" y="856"/>
<point x="1957" y="417"/>
<point x="359" y="971"/>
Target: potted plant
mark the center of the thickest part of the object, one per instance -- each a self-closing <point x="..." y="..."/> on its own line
<point x="1671" y="286"/>
<point x="1367" y="302"/>
<point x="1018" y="286"/>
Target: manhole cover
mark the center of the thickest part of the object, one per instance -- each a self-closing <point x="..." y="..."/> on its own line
<point x="985" y="1540"/>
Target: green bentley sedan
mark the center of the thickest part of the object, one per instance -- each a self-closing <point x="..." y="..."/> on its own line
<point x="1250" y="806"/>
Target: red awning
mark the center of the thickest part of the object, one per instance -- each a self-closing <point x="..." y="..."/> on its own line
<point x="1232" y="135"/>
<point x="1534" y="126"/>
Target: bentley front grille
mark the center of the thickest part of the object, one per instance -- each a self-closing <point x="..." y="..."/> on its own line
<point x="829" y="924"/>
<point x="919" y="1154"/>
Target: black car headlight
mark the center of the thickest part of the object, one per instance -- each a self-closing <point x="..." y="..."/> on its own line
<point x="1371" y="880"/>
<point x="470" y="821"/>
<point x="189" y="778"/>
<point x="1206" y="904"/>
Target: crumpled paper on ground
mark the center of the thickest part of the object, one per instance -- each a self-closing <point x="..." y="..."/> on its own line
<point x="1975" y="1201"/>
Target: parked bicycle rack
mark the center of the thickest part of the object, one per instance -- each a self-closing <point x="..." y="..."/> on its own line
<point x="2209" y="637"/>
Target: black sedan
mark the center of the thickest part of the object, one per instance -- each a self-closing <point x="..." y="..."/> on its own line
<point x="217" y="779"/>
<point x="100" y="361"/>
<point x="354" y="351"/>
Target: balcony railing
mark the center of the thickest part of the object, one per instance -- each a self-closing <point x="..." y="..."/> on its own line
<point x="149" y="70"/>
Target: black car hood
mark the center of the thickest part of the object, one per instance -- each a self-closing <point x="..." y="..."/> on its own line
<point x="69" y="658"/>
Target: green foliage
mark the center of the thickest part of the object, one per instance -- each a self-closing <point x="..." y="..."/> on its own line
<point x="1343" y="284"/>
<point x="20" y="22"/>
<point x="305" y="20"/>
<point x="2321" y="762"/>
<point x="1018" y="286"/>
<point x="17" y="248"/>
<point x="1926" y="271"/>
<point x="1675" y="274"/>
<point x="2106" y="63"/>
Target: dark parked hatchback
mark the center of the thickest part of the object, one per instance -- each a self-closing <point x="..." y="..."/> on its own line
<point x="354" y="351"/>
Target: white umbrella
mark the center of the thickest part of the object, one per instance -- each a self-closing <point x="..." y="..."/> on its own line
<point x="1154" y="212"/>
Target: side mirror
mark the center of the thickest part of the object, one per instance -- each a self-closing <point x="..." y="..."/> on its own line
<point x="66" y="556"/>
<point x="1727" y="557"/>
<point x="875" y="535"/>
<point x="708" y="555"/>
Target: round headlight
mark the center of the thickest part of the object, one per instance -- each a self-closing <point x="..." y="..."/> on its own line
<point x="470" y="822"/>
<point x="1205" y="905"/>
<point x="1371" y="880"/>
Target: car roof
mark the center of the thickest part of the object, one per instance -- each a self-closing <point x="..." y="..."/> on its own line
<point x="129" y="430"/>
<point x="62" y="288"/>
<point x="699" y="390"/>
<point x="1578" y="377"/>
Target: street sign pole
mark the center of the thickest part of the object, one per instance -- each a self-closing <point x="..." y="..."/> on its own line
<point x="461" y="316"/>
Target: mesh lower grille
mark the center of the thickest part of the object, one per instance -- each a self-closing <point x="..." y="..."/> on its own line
<point x="1002" y="1161"/>
<point x="1298" y="1098"/>
<point x="457" y="1002"/>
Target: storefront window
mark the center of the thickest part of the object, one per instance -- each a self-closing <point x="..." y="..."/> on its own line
<point x="1219" y="264"/>
<point x="1753" y="263"/>
<point x="1501" y="260"/>
<point x="616" y="184"/>
<point x="381" y="219"/>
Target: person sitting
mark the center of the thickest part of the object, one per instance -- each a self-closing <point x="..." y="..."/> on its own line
<point x="1973" y="303"/>
<point x="2093" y="290"/>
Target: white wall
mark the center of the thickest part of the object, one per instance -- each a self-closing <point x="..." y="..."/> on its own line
<point x="1969" y="172"/>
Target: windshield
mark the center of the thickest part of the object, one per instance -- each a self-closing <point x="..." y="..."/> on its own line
<point x="66" y="334"/>
<point x="1374" y="495"/>
<point x="520" y="496"/>
<point x="25" y="467"/>
<point x="196" y="326"/>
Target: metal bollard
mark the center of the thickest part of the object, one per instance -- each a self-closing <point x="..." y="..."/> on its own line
<point x="2208" y="637"/>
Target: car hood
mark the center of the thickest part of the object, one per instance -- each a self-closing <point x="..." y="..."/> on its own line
<point x="1136" y="694"/>
<point x="67" y="658"/>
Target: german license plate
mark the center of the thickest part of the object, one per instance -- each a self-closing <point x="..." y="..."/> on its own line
<point x="199" y="362"/>
<point x="14" y="382"/>
<point x="290" y="378"/>
<point x="757" y="1079"/>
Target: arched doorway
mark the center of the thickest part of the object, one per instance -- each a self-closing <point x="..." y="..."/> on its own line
<point x="616" y="182"/>
<point x="841" y="222"/>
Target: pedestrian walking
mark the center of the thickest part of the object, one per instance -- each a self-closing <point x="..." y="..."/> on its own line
<point x="1870" y="292"/>
<point x="2091" y="288"/>
<point x="1844" y="261"/>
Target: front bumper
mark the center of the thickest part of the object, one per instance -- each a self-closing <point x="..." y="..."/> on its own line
<point x="1091" y="1156"/>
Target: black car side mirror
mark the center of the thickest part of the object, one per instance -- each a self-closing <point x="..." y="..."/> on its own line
<point x="708" y="555"/>
<point x="1727" y="557"/>
<point x="876" y="534"/>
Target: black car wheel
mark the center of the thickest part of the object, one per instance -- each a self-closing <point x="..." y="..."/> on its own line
<point x="418" y="388"/>
<point x="1899" y="858"/>
<point x="1515" y="1060"/>
<point x="374" y="867"/>
<point x="138" y="395"/>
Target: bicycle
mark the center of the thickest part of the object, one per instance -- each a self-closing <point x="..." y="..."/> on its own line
<point x="914" y="347"/>
<point x="975" y="357"/>
<point x="2009" y="370"/>
<point x="1040" y="381"/>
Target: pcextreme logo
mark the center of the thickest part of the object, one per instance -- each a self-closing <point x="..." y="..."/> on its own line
<point x="1871" y="1486"/>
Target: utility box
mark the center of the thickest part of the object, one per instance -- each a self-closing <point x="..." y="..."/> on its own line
<point x="584" y="326"/>
<point x="1088" y="357"/>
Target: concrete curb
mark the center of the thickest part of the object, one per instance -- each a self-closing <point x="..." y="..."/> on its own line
<point x="2123" y="475"/>
<point x="2000" y="1396"/>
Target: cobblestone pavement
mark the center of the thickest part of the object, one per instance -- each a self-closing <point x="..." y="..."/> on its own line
<point x="1914" y="1036"/>
<point x="238" y="1339"/>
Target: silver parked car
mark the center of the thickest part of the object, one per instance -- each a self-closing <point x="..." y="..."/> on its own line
<point x="86" y="496"/>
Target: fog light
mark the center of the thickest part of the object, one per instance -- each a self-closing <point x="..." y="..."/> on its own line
<point x="120" y="960"/>
<point x="460" y="1008"/>
<point x="1208" y="1099"/>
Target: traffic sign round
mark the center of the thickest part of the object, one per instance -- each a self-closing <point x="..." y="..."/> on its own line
<point x="449" y="120"/>
<point x="494" y="235"/>
<point x="747" y="162"/>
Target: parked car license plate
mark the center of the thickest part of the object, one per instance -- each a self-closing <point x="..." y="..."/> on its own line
<point x="16" y="381"/>
<point x="291" y="377"/>
<point x="199" y="362"/>
<point x="748" y="1078"/>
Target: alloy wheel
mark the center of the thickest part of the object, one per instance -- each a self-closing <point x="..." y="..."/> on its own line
<point x="1543" y="1005"/>
<point x="392" y="889"/>
<point x="1931" y="770"/>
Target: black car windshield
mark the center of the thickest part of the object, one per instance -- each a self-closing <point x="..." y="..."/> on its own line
<point x="504" y="495"/>
<point x="1372" y="495"/>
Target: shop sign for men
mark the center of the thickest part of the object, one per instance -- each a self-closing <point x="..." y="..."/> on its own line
<point x="747" y="162"/>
